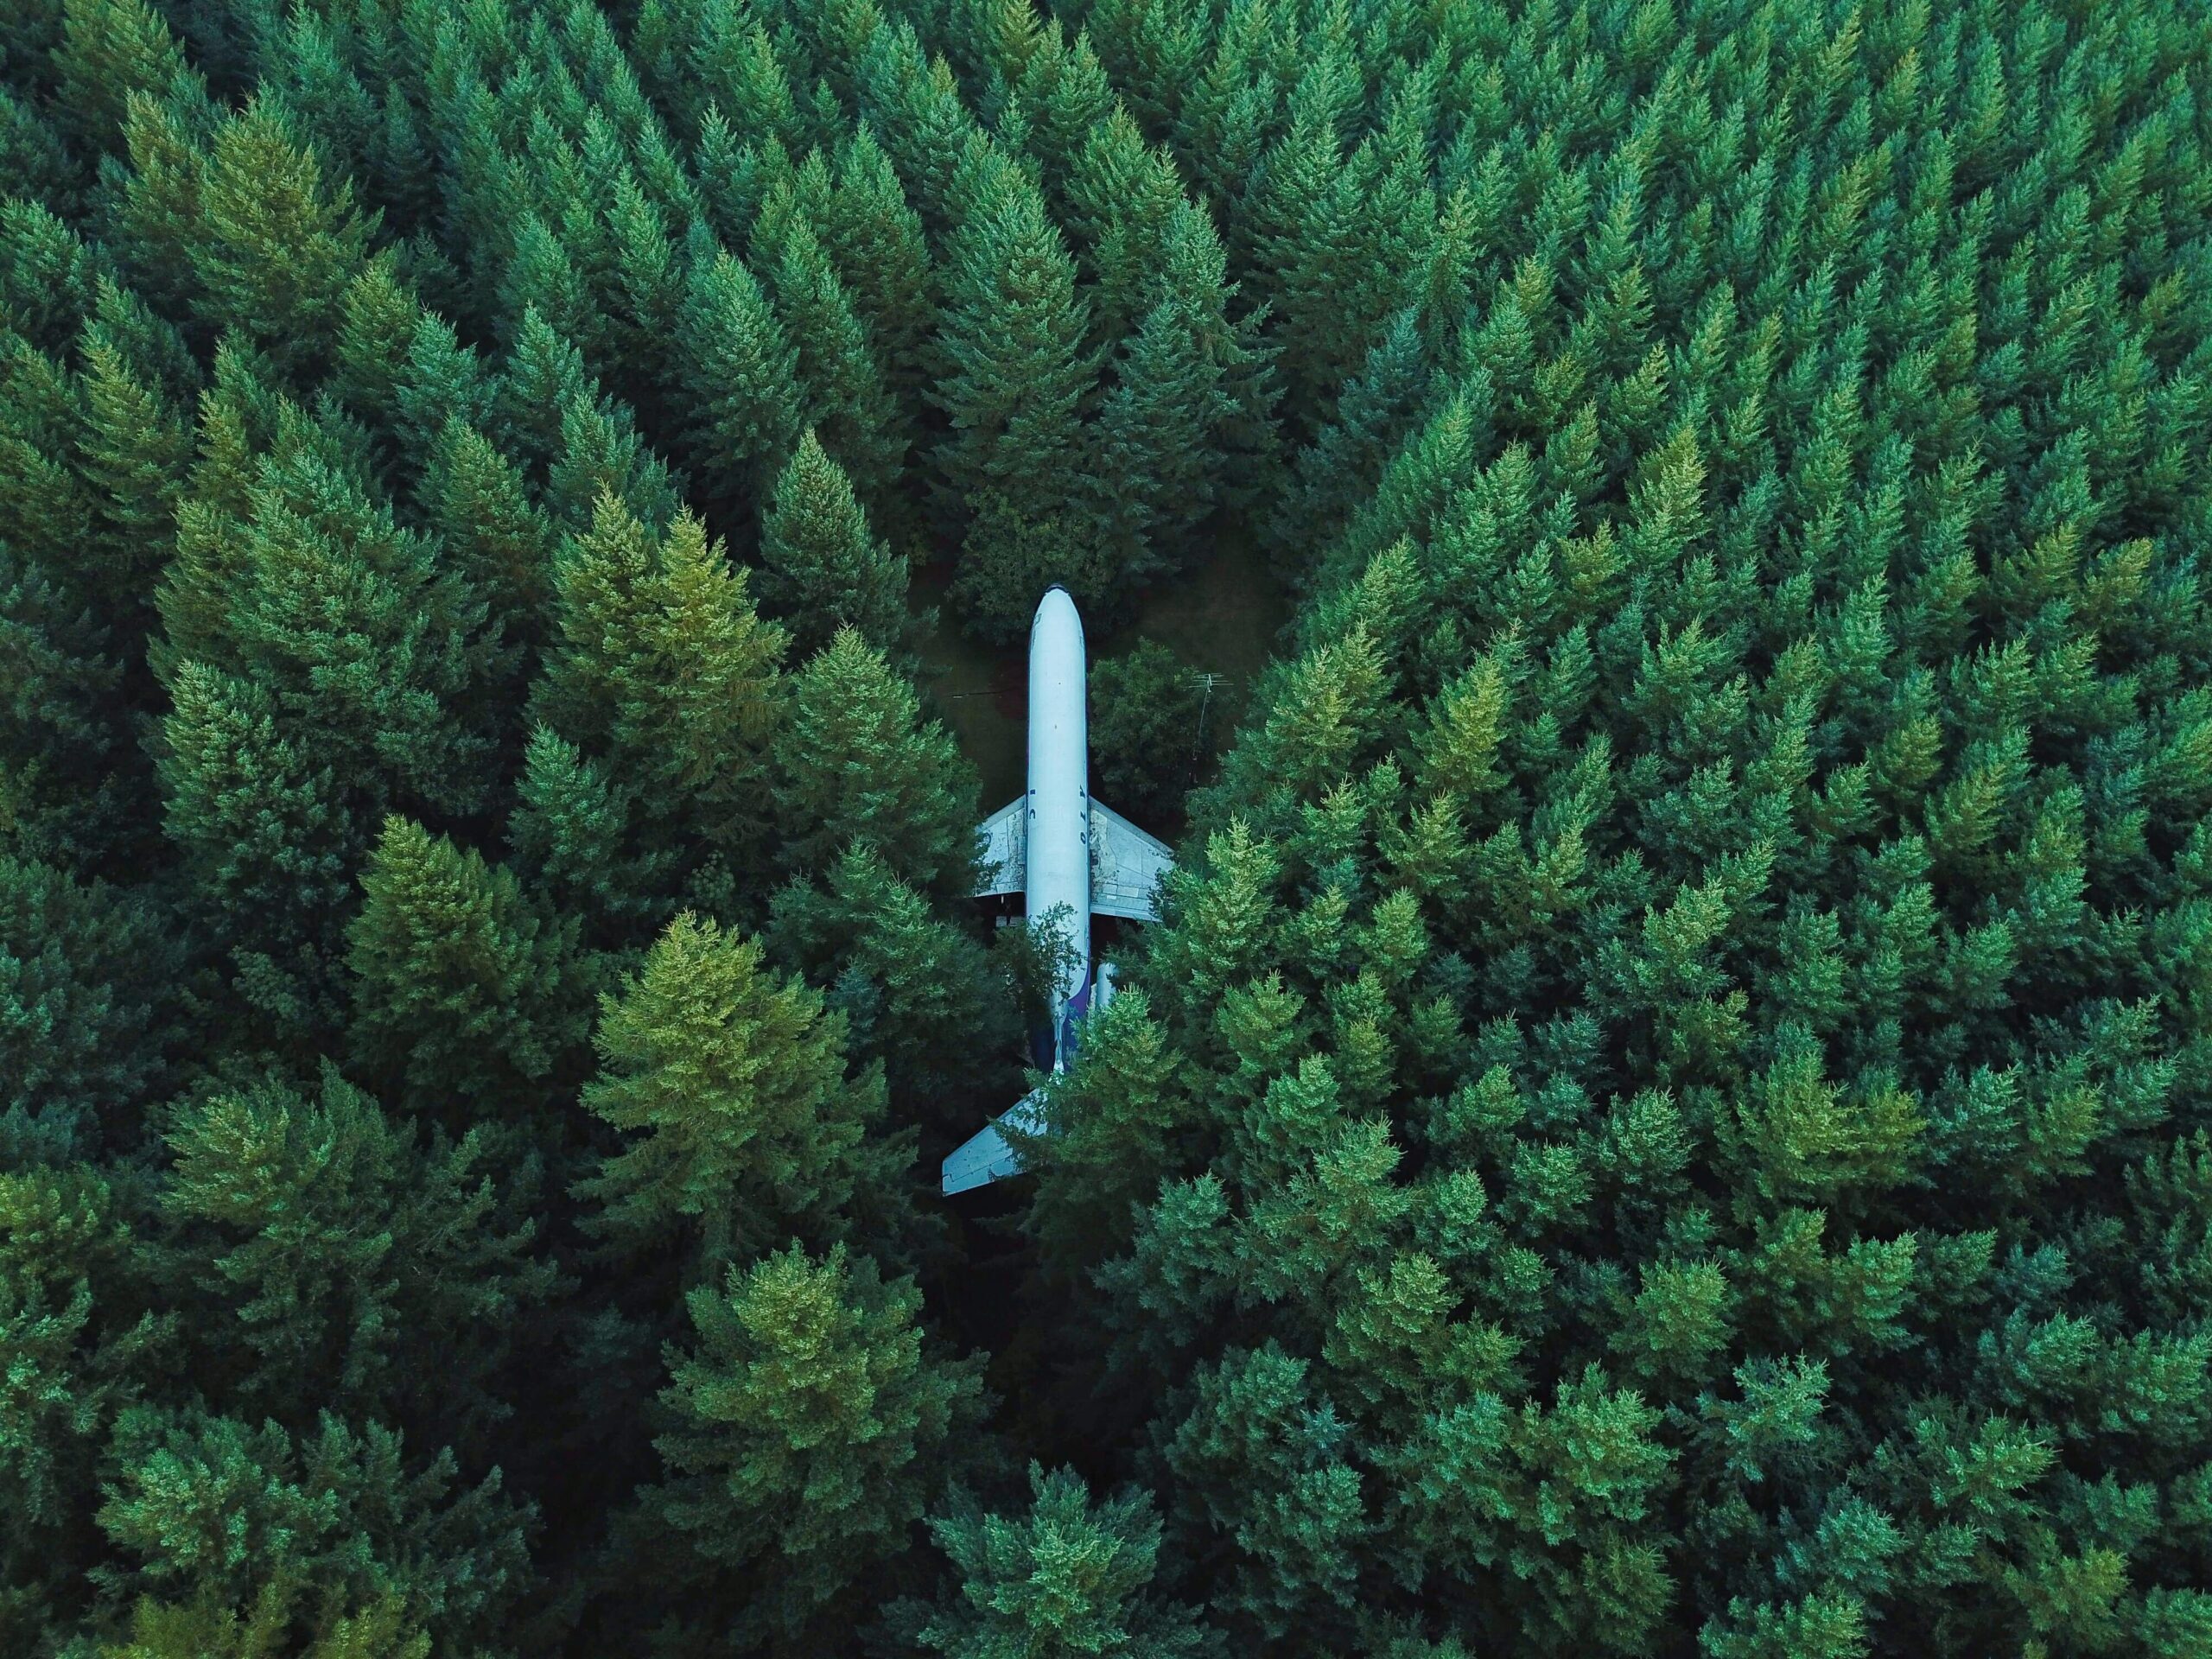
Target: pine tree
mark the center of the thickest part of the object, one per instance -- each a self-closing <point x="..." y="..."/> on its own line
<point x="49" y="277"/>
<point x="335" y="1259"/>
<point x="743" y="375"/>
<point x="822" y="569"/>
<point x="89" y="1004"/>
<point x="1665" y="1108"/>
<point x="744" y="1124"/>
<point x="542" y="277"/>
<point x="492" y="529"/>
<point x="209" y="1511"/>
<point x="572" y="838"/>
<point x="159" y="221"/>
<point x="134" y="453"/>
<point x="1064" y="1579"/>
<point x="912" y="104"/>
<point x="811" y="1429"/>
<point x="465" y="993"/>
<point x="382" y="1630"/>
<point x="846" y="400"/>
<point x="917" y="991"/>
<point x="543" y="379"/>
<point x="33" y="153"/>
<point x="600" y="452"/>
<point x="1008" y="551"/>
<point x="663" y="673"/>
<point x="1013" y="341"/>
<point x="1158" y="427"/>
<point x="377" y="656"/>
<point x="1145" y="741"/>
<point x="883" y="260"/>
<point x="1339" y="470"/>
<point x="274" y="252"/>
<point x="80" y="1336"/>
<point x="267" y="840"/>
<point x="1123" y="200"/>
<point x="108" y="50"/>
<point x="857" y="765"/>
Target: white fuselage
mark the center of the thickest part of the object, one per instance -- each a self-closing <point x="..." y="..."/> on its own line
<point x="1046" y="836"/>
<point x="1057" y="830"/>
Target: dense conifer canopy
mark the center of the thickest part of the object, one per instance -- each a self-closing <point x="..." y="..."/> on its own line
<point x="1667" y="1109"/>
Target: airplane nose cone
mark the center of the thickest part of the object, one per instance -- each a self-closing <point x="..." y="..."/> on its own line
<point x="1056" y="610"/>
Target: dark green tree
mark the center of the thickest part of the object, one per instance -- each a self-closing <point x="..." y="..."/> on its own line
<point x="275" y="251"/>
<point x="267" y="841"/>
<point x="662" y="674"/>
<point x="209" y="1512"/>
<point x="883" y="258"/>
<point x="743" y="376"/>
<point x="847" y="401"/>
<point x="80" y="1335"/>
<point x="90" y="1005"/>
<point x="109" y="49"/>
<point x="1017" y="379"/>
<point x="857" y="763"/>
<point x="372" y="648"/>
<point x="470" y="998"/>
<point x="1145" y="744"/>
<point x="916" y="990"/>
<point x="337" y="1260"/>
<point x="822" y="567"/>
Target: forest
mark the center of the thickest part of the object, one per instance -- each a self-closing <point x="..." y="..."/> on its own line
<point x="1667" y="1110"/>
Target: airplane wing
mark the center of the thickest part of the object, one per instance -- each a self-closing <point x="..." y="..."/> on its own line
<point x="1126" y="865"/>
<point x="986" y="1156"/>
<point x="1002" y="835"/>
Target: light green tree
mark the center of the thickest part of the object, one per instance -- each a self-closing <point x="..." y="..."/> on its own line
<point x="742" y="1124"/>
<point x="813" y="1428"/>
<point x="1067" y="1577"/>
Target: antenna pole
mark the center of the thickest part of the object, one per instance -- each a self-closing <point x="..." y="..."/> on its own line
<point x="1206" y="681"/>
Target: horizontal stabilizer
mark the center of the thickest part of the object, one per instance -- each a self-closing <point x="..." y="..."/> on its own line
<point x="1126" y="865"/>
<point x="1005" y="867"/>
<point x="986" y="1156"/>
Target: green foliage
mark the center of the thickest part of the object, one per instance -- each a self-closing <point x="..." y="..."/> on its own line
<point x="107" y="50"/>
<point x="373" y="651"/>
<point x="382" y="1631"/>
<point x="467" y="994"/>
<point x="1666" y="1109"/>
<point x="263" y="832"/>
<point x="1064" y="1579"/>
<point x="1144" y="737"/>
<point x="208" y="1511"/>
<point x="88" y="1006"/>
<point x="744" y="1124"/>
<point x="811" y="1427"/>
<point x="274" y="252"/>
<point x="77" y="1336"/>
<point x="1011" y="552"/>
<point x="741" y="370"/>
<point x="916" y="990"/>
<point x="822" y="569"/>
<point x="329" y="1243"/>
<point x="1017" y="375"/>
<point x="859" y="765"/>
<point x="662" y="672"/>
<point x="847" y="401"/>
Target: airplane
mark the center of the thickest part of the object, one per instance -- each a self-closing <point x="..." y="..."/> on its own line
<point x="1055" y="846"/>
